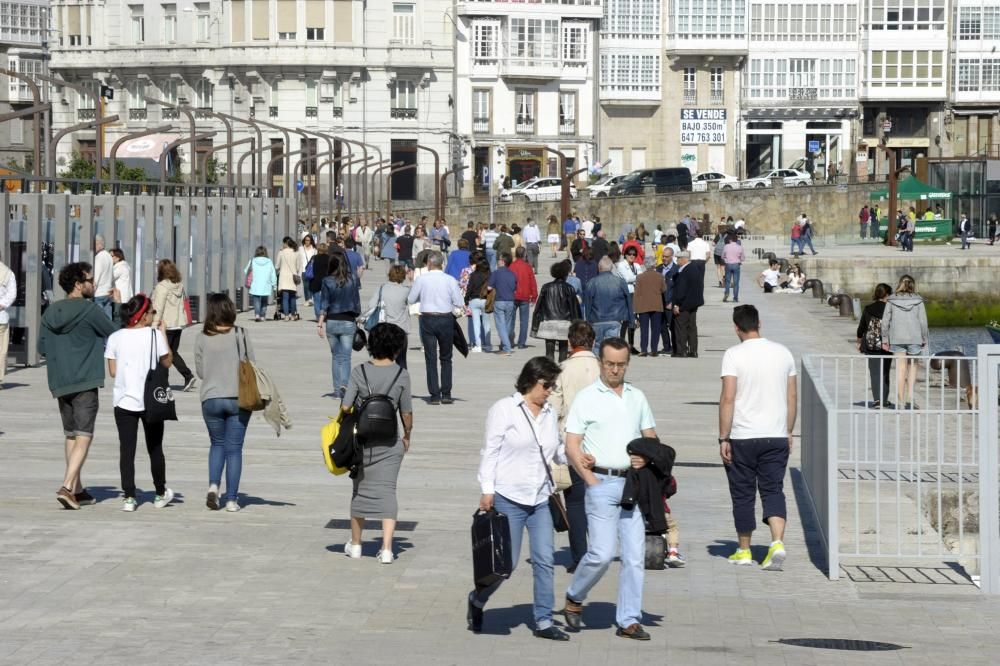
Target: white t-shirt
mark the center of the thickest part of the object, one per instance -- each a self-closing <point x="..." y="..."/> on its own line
<point x="771" y="276"/>
<point x="130" y="348"/>
<point x="699" y="249"/>
<point x="103" y="279"/>
<point x="762" y="369"/>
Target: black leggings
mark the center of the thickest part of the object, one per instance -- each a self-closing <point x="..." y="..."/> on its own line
<point x="550" y="349"/>
<point x="874" y="372"/>
<point x="128" y="431"/>
<point x="174" y="340"/>
<point x="628" y="333"/>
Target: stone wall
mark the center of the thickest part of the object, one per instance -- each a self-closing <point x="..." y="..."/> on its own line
<point x="768" y="211"/>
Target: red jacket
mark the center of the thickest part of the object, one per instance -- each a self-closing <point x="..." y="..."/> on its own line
<point x="527" y="288"/>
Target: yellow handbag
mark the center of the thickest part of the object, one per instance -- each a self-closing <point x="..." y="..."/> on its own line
<point x="328" y="435"/>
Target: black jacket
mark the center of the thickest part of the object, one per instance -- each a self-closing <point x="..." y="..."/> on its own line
<point x="689" y="288"/>
<point x="474" y="289"/>
<point x="557" y="301"/>
<point x="321" y="267"/>
<point x="872" y="311"/>
<point x="648" y="485"/>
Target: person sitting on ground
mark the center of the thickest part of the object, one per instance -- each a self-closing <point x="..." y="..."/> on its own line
<point x="771" y="279"/>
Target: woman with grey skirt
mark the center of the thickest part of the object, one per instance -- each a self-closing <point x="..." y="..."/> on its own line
<point x="374" y="493"/>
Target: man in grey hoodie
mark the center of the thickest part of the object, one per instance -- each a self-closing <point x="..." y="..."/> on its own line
<point x="905" y="334"/>
<point x="72" y="340"/>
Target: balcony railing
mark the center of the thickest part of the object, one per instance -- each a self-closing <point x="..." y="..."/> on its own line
<point x="402" y="113"/>
<point x="567" y="126"/>
<point x="718" y="97"/>
<point x="338" y="112"/>
<point x="481" y="125"/>
<point x="169" y="113"/>
<point x="312" y="112"/>
<point x="137" y="114"/>
<point x="203" y="112"/>
<point x="272" y="111"/>
<point x="803" y="94"/>
<point x="525" y="125"/>
<point x="86" y="114"/>
<point x="690" y="96"/>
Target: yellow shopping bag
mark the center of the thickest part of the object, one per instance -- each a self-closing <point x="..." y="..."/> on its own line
<point x="328" y="435"/>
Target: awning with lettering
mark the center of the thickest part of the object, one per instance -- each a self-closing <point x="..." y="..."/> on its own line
<point x="146" y="147"/>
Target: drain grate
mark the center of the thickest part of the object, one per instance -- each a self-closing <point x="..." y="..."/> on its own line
<point x="842" y="644"/>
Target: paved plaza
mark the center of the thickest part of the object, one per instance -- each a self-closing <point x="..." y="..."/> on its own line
<point x="270" y="585"/>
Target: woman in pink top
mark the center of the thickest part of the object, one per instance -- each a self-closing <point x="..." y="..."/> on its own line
<point x="733" y="257"/>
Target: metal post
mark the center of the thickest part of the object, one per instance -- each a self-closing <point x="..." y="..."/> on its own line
<point x="73" y="128"/>
<point x="99" y="116"/>
<point x="260" y="141"/>
<point x="388" y="200"/>
<point x="443" y="186"/>
<point x="893" y="193"/>
<point x="382" y="166"/>
<point x="564" y="181"/>
<point x="287" y="151"/>
<point x="989" y="463"/>
<point x="229" y="145"/>
<point x="37" y="108"/>
<point x="170" y="146"/>
<point x="193" y="130"/>
<point x="437" y="177"/>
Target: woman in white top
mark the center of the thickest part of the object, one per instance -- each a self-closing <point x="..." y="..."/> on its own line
<point x="130" y="354"/>
<point x="121" y="275"/>
<point x="522" y="440"/>
<point x="306" y="252"/>
<point x="629" y="269"/>
<point x="289" y="277"/>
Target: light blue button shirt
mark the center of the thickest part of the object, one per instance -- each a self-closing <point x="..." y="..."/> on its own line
<point x="436" y="292"/>
<point x="608" y="422"/>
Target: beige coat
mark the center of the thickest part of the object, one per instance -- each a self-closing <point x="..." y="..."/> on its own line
<point x="578" y="372"/>
<point x="287" y="266"/>
<point x="168" y="301"/>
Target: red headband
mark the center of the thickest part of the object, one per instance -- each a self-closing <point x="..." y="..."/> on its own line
<point x="134" y="319"/>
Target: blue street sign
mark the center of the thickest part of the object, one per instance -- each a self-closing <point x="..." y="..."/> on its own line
<point x="814" y="146"/>
<point x="299" y="186"/>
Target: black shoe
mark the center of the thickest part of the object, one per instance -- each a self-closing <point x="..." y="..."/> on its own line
<point x="447" y="400"/>
<point x="474" y="616"/>
<point x="573" y="613"/>
<point x="643" y="354"/>
<point x="571" y="569"/>
<point x="654" y="354"/>
<point x="551" y="633"/>
<point x="692" y="356"/>
<point x="83" y="498"/>
<point x="434" y="401"/>
<point x="212" y="500"/>
<point x="633" y="350"/>
<point x="677" y="355"/>
<point x="633" y="631"/>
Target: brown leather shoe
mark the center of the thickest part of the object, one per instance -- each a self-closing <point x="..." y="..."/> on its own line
<point x="573" y="612"/>
<point x="633" y="631"/>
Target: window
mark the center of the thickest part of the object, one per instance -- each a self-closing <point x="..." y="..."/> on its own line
<point x="332" y="91"/>
<point x="16" y="126"/>
<point x="631" y="19"/>
<point x="203" y="21"/>
<point x="136" y="91"/>
<point x="312" y="99"/>
<point x="968" y="75"/>
<point x="690" y="88"/>
<point x="630" y="73"/>
<point x="567" y="113"/>
<point x="906" y="14"/>
<point x="272" y="110"/>
<point x="168" y="91"/>
<point x="481" y="111"/>
<point x="708" y="19"/>
<point x="169" y="23"/>
<point x="717" y="86"/>
<point x="204" y="91"/>
<point x="403" y="23"/>
<point x="894" y="69"/>
<point x="138" y="24"/>
<point x="990" y="80"/>
<point x="404" y="99"/>
<point x="802" y="79"/>
<point x="534" y="42"/>
<point x="286" y="36"/>
<point x="23" y="64"/>
<point x="574" y="43"/>
<point x="823" y="22"/>
<point x="315" y="34"/>
<point x="485" y="41"/>
<point x="524" y="111"/>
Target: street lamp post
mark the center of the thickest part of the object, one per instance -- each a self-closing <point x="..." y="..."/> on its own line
<point x="260" y="142"/>
<point x="193" y="130"/>
<point x="98" y="116"/>
<point x="89" y="124"/>
<point x="173" y="144"/>
<point x="564" y="182"/>
<point x="437" y="176"/>
<point x="388" y="200"/>
<point x="36" y="109"/>
<point x="443" y="185"/>
<point x="382" y="166"/>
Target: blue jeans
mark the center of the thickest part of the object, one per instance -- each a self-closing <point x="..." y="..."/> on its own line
<point x="732" y="278"/>
<point x="604" y="330"/>
<point x="259" y="306"/>
<point x="318" y="303"/>
<point x="797" y="242"/>
<point x="503" y="315"/>
<point x="104" y="302"/>
<point x="306" y="291"/>
<point x="491" y="256"/>
<point x="480" y="324"/>
<point x="803" y="241"/>
<point x="288" y="301"/>
<point x="607" y="525"/>
<point x="523" y="312"/>
<point x="340" y="335"/>
<point x="227" y="428"/>
<point x="538" y="521"/>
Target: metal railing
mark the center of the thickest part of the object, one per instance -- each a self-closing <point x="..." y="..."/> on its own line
<point x="902" y="486"/>
<point x="524" y="125"/>
<point x="480" y="125"/>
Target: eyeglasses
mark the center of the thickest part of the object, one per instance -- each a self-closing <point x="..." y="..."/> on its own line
<point x="615" y="366"/>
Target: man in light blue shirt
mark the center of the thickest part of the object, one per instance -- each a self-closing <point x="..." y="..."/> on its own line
<point x="603" y="419"/>
<point x="438" y="295"/>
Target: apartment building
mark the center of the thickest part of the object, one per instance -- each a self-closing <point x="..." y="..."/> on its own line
<point x="376" y="71"/>
<point x="526" y="87"/>
<point x="23" y="42"/>
<point x="970" y="125"/>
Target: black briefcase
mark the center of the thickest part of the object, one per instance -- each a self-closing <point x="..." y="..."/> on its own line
<point x="491" y="557"/>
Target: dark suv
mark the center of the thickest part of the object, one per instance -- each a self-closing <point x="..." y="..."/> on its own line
<point x="666" y="180"/>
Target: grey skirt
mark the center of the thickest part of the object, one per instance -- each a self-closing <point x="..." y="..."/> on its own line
<point x="375" y="486"/>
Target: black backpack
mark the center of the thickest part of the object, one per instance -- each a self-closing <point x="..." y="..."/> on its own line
<point x="376" y="414"/>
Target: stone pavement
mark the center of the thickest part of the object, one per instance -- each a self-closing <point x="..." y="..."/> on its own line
<point x="271" y="585"/>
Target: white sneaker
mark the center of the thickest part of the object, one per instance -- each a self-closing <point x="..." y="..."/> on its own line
<point x="352" y="550"/>
<point x="232" y="506"/>
<point x="129" y="504"/>
<point x="476" y="350"/>
<point x="161" y="501"/>
<point x="675" y="560"/>
<point x="385" y="556"/>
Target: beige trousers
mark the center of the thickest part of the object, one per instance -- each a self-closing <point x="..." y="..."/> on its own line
<point x="4" y="343"/>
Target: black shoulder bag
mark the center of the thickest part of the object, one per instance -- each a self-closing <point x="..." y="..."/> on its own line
<point x="559" y="519"/>
<point x="157" y="397"/>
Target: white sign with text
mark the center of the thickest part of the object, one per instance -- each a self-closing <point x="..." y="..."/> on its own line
<point x="703" y="126"/>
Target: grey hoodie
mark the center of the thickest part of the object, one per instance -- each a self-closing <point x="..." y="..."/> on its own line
<point x="905" y="320"/>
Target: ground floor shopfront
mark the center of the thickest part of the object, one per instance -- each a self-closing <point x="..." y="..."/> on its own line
<point x="508" y="163"/>
<point x="815" y="140"/>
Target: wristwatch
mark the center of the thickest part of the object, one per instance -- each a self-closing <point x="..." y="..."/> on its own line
<point x="723" y="439"/>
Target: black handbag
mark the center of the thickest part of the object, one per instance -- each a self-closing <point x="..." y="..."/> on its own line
<point x="560" y="521"/>
<point x="491" y="553"/>
<point x="157" y="397"/>
<point x="360" y="339"/>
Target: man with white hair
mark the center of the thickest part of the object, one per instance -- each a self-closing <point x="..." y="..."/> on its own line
<point x="104" y="267"/>
<point x="607" y="302"/>
<point x="438" y="295"/>
<point x="688" y="295"/>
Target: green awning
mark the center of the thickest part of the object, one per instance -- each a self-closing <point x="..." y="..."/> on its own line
<point x="912" y="189"/>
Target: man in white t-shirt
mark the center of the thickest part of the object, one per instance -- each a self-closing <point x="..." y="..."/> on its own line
<point x="770" y="279"/>
<point x="757" y="412"/>
<point x="103" y="276"/>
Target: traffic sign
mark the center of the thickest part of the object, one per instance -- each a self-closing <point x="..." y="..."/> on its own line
<point x="814" y="146"/>
<point x="299" y="186"/>
<point x="887" y="126"/>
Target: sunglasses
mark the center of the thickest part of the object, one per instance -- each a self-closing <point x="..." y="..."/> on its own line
<point x="548" y="385"/>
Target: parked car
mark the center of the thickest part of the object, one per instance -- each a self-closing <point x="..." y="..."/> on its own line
<point x="790" y="176"/>
<point x="537" y="189"/>
<point x="603" y="187"/>
<point x="700" y="181"/>
<point x="676" y="179"/>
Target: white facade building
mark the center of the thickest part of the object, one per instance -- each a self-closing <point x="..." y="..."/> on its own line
<point x="22" y="42"/>
<point x="975" y="78"/>
<point x="526" y="85"/>
<point x="376" y="71"/>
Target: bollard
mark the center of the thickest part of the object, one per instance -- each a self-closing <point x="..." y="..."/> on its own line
<point x="783" y="265"/>
<point x="770" y="256"/>
<point x="846" y="304"/>
<point x="832" y="300"/>
<point x="815" y="285"/>
<point x="957" y="371"/>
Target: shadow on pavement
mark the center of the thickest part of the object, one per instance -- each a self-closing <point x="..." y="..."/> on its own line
<point x="248" y="500"/>
<point x="810" y="527"/>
